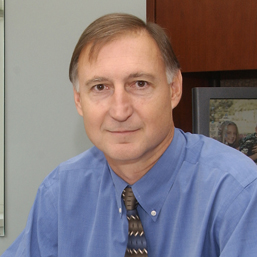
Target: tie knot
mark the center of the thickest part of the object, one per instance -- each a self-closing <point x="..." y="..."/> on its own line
<point x="129" y="199"/>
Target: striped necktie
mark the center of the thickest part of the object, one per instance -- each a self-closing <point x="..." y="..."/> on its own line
<point x="136" y="237"/>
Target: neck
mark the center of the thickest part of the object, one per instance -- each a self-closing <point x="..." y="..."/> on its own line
<point x="132" y="171"/>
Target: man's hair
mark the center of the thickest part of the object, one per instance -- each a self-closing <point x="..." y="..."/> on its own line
<point x="109" y="27"/>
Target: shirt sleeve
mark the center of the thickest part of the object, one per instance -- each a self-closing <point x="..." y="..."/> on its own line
<point x="40" y="236"/>
<point x="237" y="227"/>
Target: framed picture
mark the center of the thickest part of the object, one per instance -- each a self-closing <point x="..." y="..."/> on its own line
<point x="227" y="114"/>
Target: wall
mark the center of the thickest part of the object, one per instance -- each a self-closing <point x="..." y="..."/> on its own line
<point x="1" y="113"/>
<point x="42" y="126"/>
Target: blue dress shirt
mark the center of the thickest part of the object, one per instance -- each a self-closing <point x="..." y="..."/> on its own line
<point x="199" y="200"/>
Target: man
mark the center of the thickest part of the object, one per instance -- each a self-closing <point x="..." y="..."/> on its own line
<point x="249" y="145"/>
<point x="196" y="197"/>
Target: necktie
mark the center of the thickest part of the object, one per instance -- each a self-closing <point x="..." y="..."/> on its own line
<point x="136" y="238"/>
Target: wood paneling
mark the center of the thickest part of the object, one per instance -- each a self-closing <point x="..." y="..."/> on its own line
<point x="150" y="10"/>
<point x="213" y="41"/>
<point x="182" y="114"/>
<point x="210" y="35"/>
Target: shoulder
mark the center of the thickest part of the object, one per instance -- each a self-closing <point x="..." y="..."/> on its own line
<point x="217" y="158"/>
<point x="88" y="163"/>
<point x="249" y="139"/>
<point x="90" y="159"/>
<point x="250" y="136"/>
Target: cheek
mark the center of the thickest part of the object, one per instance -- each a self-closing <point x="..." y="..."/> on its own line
<point x="158" y="114"/>
<point x="92" y="117"/>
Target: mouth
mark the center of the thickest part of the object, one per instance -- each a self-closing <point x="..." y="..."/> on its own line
<point x="123" y="131"/>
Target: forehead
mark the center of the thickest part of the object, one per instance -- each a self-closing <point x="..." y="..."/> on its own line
<point x="231" y="126"/>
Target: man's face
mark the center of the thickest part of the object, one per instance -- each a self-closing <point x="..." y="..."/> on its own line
<point x="125" y="100"/>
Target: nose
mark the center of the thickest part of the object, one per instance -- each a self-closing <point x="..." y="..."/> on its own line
<point x="121" y="105"/>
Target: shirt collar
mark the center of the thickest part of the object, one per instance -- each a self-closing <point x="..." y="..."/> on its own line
<point x="152" y="189"/>
<point x="119" y="185"/>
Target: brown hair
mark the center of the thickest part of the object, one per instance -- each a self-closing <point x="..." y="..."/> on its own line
<point x="111" y="26"/>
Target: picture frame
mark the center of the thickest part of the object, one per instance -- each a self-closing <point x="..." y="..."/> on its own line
<point x="229" y="115"/>
<point x="201" y="100"/>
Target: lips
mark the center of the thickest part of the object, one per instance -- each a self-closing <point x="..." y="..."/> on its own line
<point x="123" y="131"/>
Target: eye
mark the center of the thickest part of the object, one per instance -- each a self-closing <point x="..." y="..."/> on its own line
<point x="140" y="87"/>
<point x="99" y="87"/>
<point x="141" y="83"/>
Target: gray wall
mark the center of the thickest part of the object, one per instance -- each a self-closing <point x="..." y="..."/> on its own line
<point x="42" y="125"/>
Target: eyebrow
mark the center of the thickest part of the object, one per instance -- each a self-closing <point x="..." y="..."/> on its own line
<point x="96" y="80"/>
<point x="141" y="74"/>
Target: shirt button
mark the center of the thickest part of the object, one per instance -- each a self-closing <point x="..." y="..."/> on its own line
<point x="153" y="213"/>
<point x="119" y="210"/>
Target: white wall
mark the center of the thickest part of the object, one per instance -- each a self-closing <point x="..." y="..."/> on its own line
<point x="1" y="114"/>
<point x="1" y="120"/>
<point x="42" y="126"/>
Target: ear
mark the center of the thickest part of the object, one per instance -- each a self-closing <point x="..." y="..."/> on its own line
<point x="77" y="100"/>
<point x="176" y="89"/>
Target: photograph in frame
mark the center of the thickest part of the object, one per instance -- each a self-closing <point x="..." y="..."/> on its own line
<point x="228" y="115"/>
